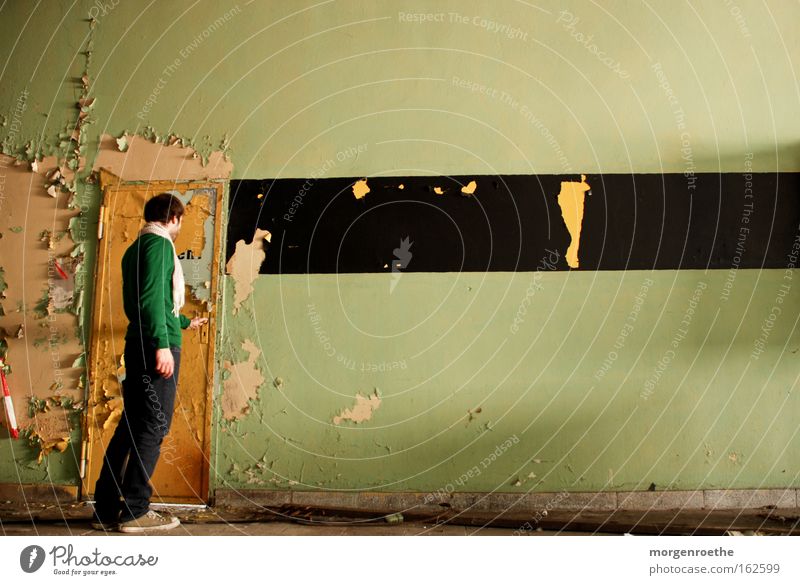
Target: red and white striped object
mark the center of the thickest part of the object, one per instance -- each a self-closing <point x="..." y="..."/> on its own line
<point x="12" y="420"/>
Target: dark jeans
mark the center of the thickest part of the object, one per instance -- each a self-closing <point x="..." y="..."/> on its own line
<point x="123" y="490"/>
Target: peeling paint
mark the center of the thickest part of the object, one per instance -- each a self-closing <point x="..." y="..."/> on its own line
<point x="195" y="214"/>
<point x="107" y="405"/>
<point x="361" y="411"/>
<point x="39" y="205"/>
<point x="245" y="264"/>
<point x="147" y="160"/>
<point x="36" y="288"/>
<point x="242" y="385"/>
<point x="62" y="287"/>
<point x="54" y="418"/>
<point x="571" y="200"/>
<point x="122" y="143"/>
<point x="51" y="431"/>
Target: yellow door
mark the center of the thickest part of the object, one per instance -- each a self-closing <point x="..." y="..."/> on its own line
<point x="182" y="473"/>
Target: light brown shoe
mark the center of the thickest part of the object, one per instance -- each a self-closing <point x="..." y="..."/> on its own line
<point x="151" y="521"/>
<point x="104" y="526"/>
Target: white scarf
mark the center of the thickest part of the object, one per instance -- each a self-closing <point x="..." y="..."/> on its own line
<point x="152" y="227"/>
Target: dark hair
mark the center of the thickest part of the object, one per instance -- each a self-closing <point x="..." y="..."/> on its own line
<point x="163" y="207"/>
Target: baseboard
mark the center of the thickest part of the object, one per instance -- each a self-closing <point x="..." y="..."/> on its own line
<point x="381" y="502"/>
<point x="39" y="493"/>
<point x="718" y="499"/>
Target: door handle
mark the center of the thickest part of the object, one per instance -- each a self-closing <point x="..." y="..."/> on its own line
<point x="204" y="328"/>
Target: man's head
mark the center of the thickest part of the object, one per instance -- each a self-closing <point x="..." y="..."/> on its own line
<point x="167" y="209"/>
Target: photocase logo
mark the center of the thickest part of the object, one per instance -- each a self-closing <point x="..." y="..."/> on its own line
<point x="402" y="257"/>
<point x="31" y="558"/>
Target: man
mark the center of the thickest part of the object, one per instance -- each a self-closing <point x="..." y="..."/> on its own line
<point x="152" y="294"/>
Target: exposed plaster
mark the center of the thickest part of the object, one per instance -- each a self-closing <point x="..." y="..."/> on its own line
<point x="53" y="421"/>
<point x="244" y="265"/>
<point x="242" y="385"/>
<point x="362" y="411"/>
<point x="38" y="308"/>
<point x="149" y="157"/>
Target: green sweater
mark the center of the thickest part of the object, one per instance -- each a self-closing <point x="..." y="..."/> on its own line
<point x="147" y="267"/>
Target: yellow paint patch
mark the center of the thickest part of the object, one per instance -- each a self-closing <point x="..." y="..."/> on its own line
<point x="360" y="188"/>
<point x="438" y="190"/>
<point x="113" y="414"/>
<point x="401" y="186"/>
<point x="244" y="266"/>
<point x="469" y="188"/>
<point x="363" y="409"/>
<point x="242" y="385"/>
<point x="571" y="200"/>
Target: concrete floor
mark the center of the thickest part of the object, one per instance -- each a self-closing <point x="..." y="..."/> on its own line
<point x="82" y="528"/>
<point x="73" y="519"/>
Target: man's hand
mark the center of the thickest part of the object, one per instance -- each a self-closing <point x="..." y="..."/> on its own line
<point x="198" y="322"/>
<point x="165" y="363"/>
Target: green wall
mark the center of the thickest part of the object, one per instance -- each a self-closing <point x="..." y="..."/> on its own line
<point x="292" y="83"/>
<point x="700" y="87"/>
<point x="715" y="414"/>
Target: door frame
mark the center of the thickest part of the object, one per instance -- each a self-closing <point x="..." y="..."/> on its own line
<point x="111" y="185"/>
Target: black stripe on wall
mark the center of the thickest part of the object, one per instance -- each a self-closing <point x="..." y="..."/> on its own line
<point x="512" y="222"/>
